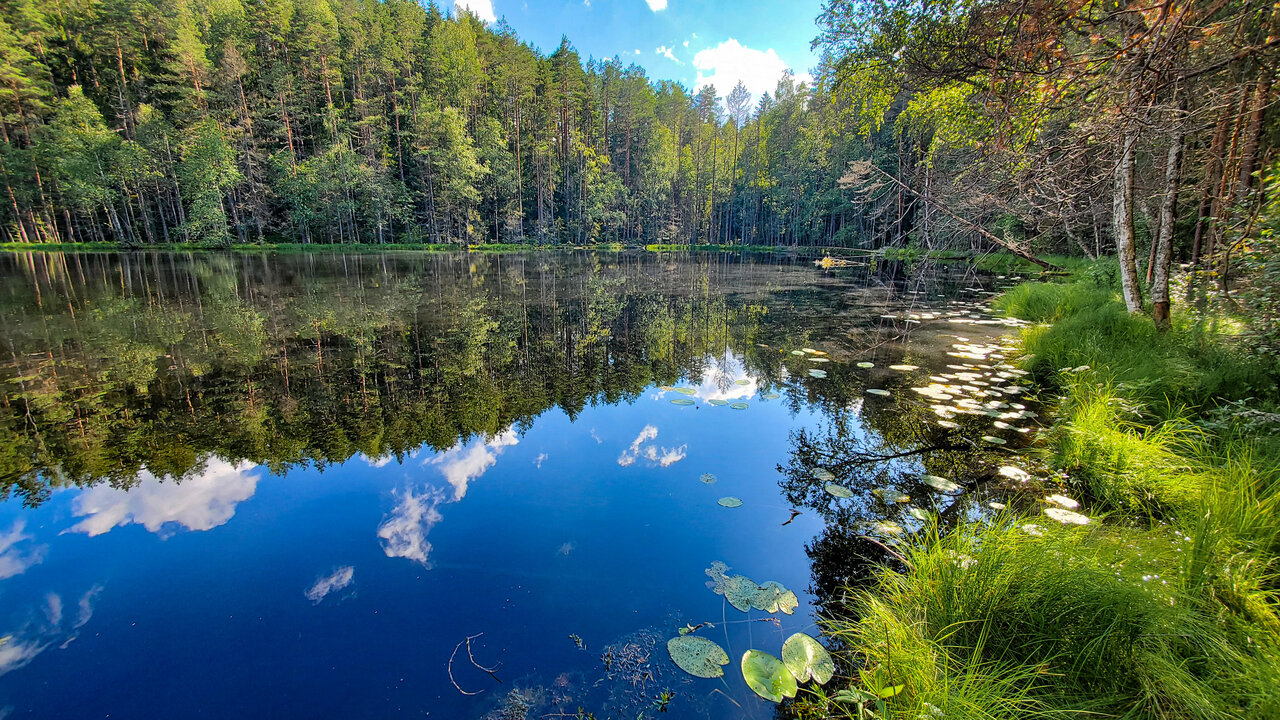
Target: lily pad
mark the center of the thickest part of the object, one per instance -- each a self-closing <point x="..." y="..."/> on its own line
<point x="788" y="602"/>
<point x="766" y="596"/>
<point x="866" y="365"/>
<point x="739" y="590"/>
<point x="891" y="496"/>
<point x="887" y="527"/>
<point x="686" y="390"/>
<point x="797" y="352"/>
<point x="904" y="368"/>
<point x="1015" y="473"/>
<point x="707" y="478"/>
<point x="739" y="405"/>
<point x="919" y="514"/>
<point x="948" y="424"/>
<point x="681" y="401"/>
<point x="718" y="402"/>
<point x="839" y="491"/>
<point x="665" y="388"/>
<point x="813" y="372"/>
<point x="806" y="658"/>
<point x="879" y="391"/>
<point x="698" y="656"/>
<point x="730" y="502"/>
<point x="939" y="483"/>
<point x="1067" y="517"/>
<point x="993" y="440"/>
<point x="768" y="676"/>
<point x="819" y="359"/>
<point x="1063" y="501"/>
<point x="823" y="474"/>
<point x="770" y="396"/>
<point x="742" y="381"/>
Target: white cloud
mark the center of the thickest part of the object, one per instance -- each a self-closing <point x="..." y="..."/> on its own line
<point x="637" y="51"/>
<point x="482" y="9"/>
<point x="686" y="43"/>
<point x="14" y="561"/>
<point x="198" y="502"/>
<point x="404" y="531"/>
<point x="377" y="462"/>
<point x="338" y="580"/>
<point x="654" y="454"/>
<point x="730" y="61"/>
<point x="665" y="52"/>
<point x="18" y="652"/>
<point x="657" y="5"/>
<point x="21" y="646"/>
<point x="537" y="462"/>
<point x="465" y="462"/>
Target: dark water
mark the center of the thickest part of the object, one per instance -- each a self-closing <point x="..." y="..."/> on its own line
<point x="293" y="486"/>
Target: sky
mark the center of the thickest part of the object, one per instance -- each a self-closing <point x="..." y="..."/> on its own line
<point x="694" y="42"/>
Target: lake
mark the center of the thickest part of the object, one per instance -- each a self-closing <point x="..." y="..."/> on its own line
<point x="462" y="486"/>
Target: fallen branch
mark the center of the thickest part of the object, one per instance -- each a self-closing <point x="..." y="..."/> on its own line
<point x="449" y="666"/>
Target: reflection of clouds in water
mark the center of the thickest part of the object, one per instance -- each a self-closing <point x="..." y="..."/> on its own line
<point x="565" y="549"/>
<point x="15" y="560"/>
<point x="339" y="579"/>
<point x="404" y="531"/>
<point x="657" y="455"/>
<point x="377" y="462"/>
<point x="720" y="380"/>
<point x="465" y="462"/>
<point x="537" y="462"/>
<point x="197" y="502"/>
<point x="21" y="647"/>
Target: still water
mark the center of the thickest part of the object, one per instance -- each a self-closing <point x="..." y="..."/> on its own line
<point x="293" y="486"/>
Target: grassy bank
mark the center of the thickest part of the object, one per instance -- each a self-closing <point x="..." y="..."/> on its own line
<point x="1165" y="604"/>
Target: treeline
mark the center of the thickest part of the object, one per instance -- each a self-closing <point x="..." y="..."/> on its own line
<point x="217" y="121"/>
<point x="1139" y="127"/>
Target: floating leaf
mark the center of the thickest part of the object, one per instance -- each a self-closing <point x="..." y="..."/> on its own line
<point x="739" y="406"/>
<point x="921" y="515"/>
<point x="718" y="402"/>
<point x="813" y="372"/>
<point x="1063" y="501"/>
<point x="665" y="388"/>
<point x="823" y="474"/>
<point x="797" y="352"/>
<point x="878" y="391"/>
<point x="839" y="491"/>
<point x="739" y="590"/>
<point x="1014" y="473"/>
<point x="890" y="495"/>
<point x="681" y="401"/>
<point x="888" y="527"/>
<point x="805" y="658"/>
<point x="866" y="365"/>
<point x="707" y="478"/>
<point x="939" y="483"/>
<point x="1066" y="516"/>
<point x="819" y="359"/>
<point x="948" y="424"/>
<point x="730" y="502"/>
<point x="811" y="351"/>
<point x="698" y="656"/>
<point x="686" y="391"/>
<point x="742" y="381"/>
<point x="993" y="439"/>
<point x="770" y="396"/>
<point x="788" y="602"/>
<point x="768" y="676"/>
<point x="766" y="596"/>
<point x="717" y="574"/>
<point x="904" y="368"/>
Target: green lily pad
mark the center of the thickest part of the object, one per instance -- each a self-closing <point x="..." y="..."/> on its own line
<point x="919" y="514"/>
<point x="681" y="401"/>
<point x="686" y="390"/>
<point x="771" y="396"/>
<point x="839" y="491"/>
<point x="768" y="676"/>
<point x="739" y="406"/>
<point x="904" y="368"/>
<point x="718" y="402"/>
<point x="698" y="656"/>
<point x="730" y="502"/>
<point x="993" y="440"/>
<point x="887" y="527"/>
<point x="819" y="359"/>
<point x="823" y="474"/>
<point x="707" y="478"/>
<point x="866" y="365"/>
<point x="743" y="381"/>
<point x="1067" y="517"/>
<point x="766" y="596"/>
<point x="891" y="496"/>
<point x="813" y="372"/>
<point x="878" y="391"/>
<point x="806" y="658"/>
<point x="788" y="602"/>
<point x="665" y="388"/>
<point x="797" y="352"/>
<point x="939" y="483"/>
<point x="739" y="590"/>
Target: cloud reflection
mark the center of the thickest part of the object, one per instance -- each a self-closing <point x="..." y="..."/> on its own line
<point x="201" y="501"/>
<point x="663" y="456"/>
<point x="338" y="580"/>
<point x="14" y="560"/>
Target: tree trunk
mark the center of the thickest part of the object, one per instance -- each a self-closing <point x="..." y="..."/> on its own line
<point x="1168" y="213"/>
<point x="1122" y="222"/>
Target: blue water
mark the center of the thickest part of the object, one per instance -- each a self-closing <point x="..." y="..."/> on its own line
<point x="343" y="589"/>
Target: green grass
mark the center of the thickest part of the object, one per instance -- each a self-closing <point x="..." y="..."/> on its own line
<point x="1166" y="605"/>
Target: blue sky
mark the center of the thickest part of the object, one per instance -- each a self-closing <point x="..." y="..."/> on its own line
<point x="690" y="41"/>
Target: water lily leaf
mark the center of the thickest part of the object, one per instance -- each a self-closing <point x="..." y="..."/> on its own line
<point x="768" y="676"/>
<point x="717" y="574"/>
<point x="813" y="372"/>
<point x="1063" y="501"/>
<point x="771" y="396"/>
<point x="890" y="495"/>
<point x="904" y="368"/>
<point x="698" y="656"/>
<point x="819" y="359"/>
<point x="730" y="502"/>
<point x="839" y="491"/>
<point x="707" y="478"/>
<point x="939" y="483"/>
<point x="739" y="590"/>
<point x="766" y="596"/>
<point x="866" y="365"/>
<point x="878" y="391"/>
<point x="681" y="401"/>
<point x="993" y="440"/>
<point x="806" y="658"/>
<point x="948" y="424"/>
<point x="797" y="352"/>
<point x="718" y="402"/>
<point x="788" y="602"/>
<point x="921" y="515"/>
<point x="887" y="527"/>
<point x="811" y="351"/>
<point x="665" y="388"/>
<point x="686" y="390"/>
<point x="1067" y="517"/>
<point x="823" y="474"/>
<point x="1015" y="473"/>
<point x="742" y="381"/>
<point x="739" y="406"/>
